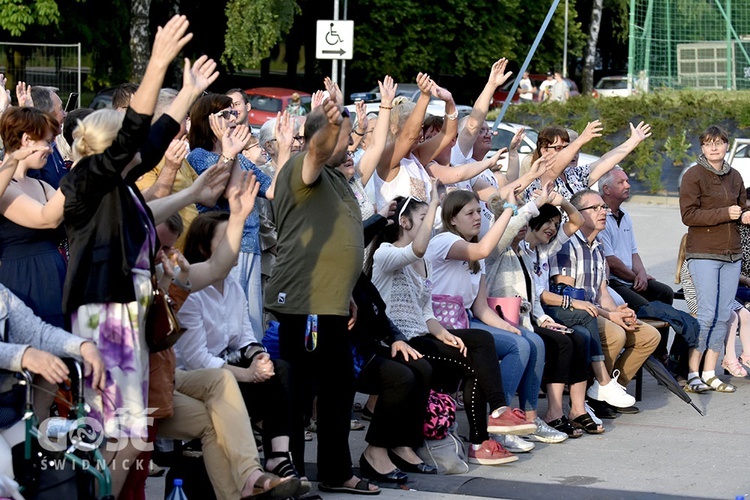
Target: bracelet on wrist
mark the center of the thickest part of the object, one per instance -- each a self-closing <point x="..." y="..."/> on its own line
<point x="227" y="159"/>
<point x="187" y="286"/>
<point x="358" y="133"/>
<point x="453" y="116"/>
<point x="512" y="207"/>
<point x="385" y="107"/>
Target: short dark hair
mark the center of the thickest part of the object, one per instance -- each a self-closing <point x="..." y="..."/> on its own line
<point x="174" y="224"/>
<point x="71" y="122"/>
<point x="32" y="121"/>
<point x="710" y="134"/>
<point x="239" y="91"/>
<point x="200" y="134"/>
<point x="42" y="97"/>
<point x="547" y="212"/>
<point x="122" y="94"/>
<point x="199" y="236"/>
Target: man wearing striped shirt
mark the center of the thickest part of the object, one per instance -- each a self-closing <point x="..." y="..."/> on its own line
<point x="581" y="264"/>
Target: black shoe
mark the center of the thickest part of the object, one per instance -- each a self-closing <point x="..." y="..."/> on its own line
<point x="366" y="413"/>
<point x="420" y="468"/>
<point x="602" y="409"/>
<point x="630" y="410"/>
<point x="368" y="471"/>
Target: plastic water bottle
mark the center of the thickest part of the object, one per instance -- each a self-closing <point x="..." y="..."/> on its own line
<point x="177" y="493"/>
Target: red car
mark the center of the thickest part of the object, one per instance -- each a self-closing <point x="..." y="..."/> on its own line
<point x="265" y="102"/>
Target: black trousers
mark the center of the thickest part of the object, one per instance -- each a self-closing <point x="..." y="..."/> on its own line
<point x="479" y="370"/>
<point x="655" y="291"/>
<point x="565" y="360"/>
<point x="270" y="402"/>
<point x="331" y="367"/>
<point x="402" y="388"/>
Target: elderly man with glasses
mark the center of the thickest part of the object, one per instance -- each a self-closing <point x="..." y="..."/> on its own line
<point x="580" y="269"/>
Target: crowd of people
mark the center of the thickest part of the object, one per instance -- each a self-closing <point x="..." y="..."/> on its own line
<point x="390" y="250"/>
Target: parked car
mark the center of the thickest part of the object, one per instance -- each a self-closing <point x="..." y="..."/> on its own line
<point x="536" y="80"/>
<point x="410" y="90"/>
<point x="613" y="86"/>
<point x="738" y="156"/>
<point x="266" y="102"/>
<point x="103" y="99"/>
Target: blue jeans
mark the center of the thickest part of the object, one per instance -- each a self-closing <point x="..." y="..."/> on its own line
<point x="522" y="363"/>
<point x="715" y="286"/>
<point x="584" y="324"/>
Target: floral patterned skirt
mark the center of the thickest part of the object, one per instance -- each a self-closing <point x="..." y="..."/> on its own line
<point x="118" y="330"/>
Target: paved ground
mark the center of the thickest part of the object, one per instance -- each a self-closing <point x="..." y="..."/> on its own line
<point x="666" y="451"/>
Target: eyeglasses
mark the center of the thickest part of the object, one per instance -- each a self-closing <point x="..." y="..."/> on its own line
<point x="406" y="204"/>
<point x="227" y="113"/>
<point x="595" y="208"/>
<point x="714" y="144"/>
<point x="557" y="148"/>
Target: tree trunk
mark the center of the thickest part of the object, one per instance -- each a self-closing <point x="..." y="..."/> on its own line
<point x="140" y="47"/>
<point x="590" y="58"/>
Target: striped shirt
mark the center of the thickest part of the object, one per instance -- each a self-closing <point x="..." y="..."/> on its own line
<point x="583" y="262"/>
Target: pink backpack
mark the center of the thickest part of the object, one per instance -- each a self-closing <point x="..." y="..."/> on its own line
<point x="440" y="415"/>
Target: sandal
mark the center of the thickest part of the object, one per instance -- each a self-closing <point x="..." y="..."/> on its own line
<point x="696" y="385"/>
<point x="733" y="368"/>
<point x="717" y="385"/>
<point x="362" y="488"/>
<point x="562" y="424"/>
<point x="285" y="468"/>
<point x="744" y="361"/>
<point x="586" y="424"/>
<point x="278" y="487"/>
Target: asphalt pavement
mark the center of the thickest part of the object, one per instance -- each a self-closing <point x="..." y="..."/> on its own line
<point x="666" y="451"/>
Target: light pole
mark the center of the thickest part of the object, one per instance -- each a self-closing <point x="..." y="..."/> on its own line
<point x="565" y="44"/>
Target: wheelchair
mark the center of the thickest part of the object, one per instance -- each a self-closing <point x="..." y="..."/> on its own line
<point x="75" y="468"/>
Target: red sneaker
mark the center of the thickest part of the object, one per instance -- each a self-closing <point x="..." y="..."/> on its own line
<point x="511" y="421"/>
<point x="491" y="453"/>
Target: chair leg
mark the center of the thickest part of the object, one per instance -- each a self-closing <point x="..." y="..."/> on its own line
<point x="639" y="384"/>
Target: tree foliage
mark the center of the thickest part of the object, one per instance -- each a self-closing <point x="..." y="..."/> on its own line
<point x="17" y="15"/>
<point x="254" y="27"/>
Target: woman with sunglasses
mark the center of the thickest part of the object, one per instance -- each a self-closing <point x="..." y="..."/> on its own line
<point x="210" y="118"/>
<point x="712" y="203"/>
<point x="568" y="176"/>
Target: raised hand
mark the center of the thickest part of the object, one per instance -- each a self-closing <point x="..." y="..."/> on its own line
<point x="640" y="132"/>
<point x="23" y="94"/>
<point x="498" y="76"/>
<point x="219" y="126"/>
<point x="333" y="113"/>
<point x="211" y="183"/>
<point x="169" y="40"/>
<point x="592" y="130"/>
<point x="176" y="154"/>
<point x="316" y="99"/>
<point x="334" y="91"/>
<point x="425" y="83"/>
<point x="362" y="121"/>
<point x="4" y="94"/>
<point x="234" y="141"/>
<point x="200" y="75"/>
<point x="441" y="93"/>
<point x="387" y="90"/>
<point x="515" y="143"/>
<point x="497" y="158"/>
<point x="541" y="165"/>
<point x="242" y="191"/>
<point x="284" y="131"/>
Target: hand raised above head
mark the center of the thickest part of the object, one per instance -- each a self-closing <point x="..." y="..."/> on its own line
<point x="517" y="139"/>
<point x="170" y="39"/>
<point x="200" y="75"/>
<point x="334" y="91"/>
<point x="592" y="130"/>
<point x="387" y="91"/>
<point x="425" y="83"/>
<point x="284" y="131"/>
<point x="316" y="99"/>
<point x="23" y="94"/>
<point x="333" y="113"/>
<point x="441" y="93"/>
<point x="498" y="76"/>
<point x="640" y="132"/>
<point x="241" y="193"/>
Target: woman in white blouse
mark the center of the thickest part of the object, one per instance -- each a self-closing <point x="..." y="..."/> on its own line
<point x="219" y="335"/>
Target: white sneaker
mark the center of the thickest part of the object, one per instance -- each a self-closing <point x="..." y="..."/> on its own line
<point x="612" y="393"/>
<point x="514" y="444"/>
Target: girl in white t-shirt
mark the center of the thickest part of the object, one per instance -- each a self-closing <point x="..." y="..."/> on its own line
<point x="403" y="279"/>
<point x="458" y="269"/>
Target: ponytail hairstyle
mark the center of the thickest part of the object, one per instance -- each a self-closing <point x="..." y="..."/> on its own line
<point x="95" y="133"/>
<point x="405" y="207"/>
<point x="453" y="203"/>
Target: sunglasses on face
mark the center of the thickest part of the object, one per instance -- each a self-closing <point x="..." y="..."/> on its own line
<point x="227" y="113"/>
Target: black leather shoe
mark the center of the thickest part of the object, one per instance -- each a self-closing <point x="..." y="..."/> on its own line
<point x="602" y="409"/>
<point x="420" y="468"/>
<point x="368" y="471"/>
<point x="630" y="410"/>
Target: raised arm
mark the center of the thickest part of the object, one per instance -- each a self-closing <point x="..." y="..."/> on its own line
<point x="284" y="139"/>
<point x="464" y="250"/>
<point x="168" y="42"/>
<point x="409" y="133"/>
<point x="429" y="149"/>
<point x="422" y="239"/>
<point x="514" y="164"/>
<point x="450" y="175"/>
<point x="607" y="162"/>
<point x="164" y="182"/>
<point x="323" y="142"/>
<point x="497" y="77"/>
<point x="374" y="152"/>
<point x="25" y="211"/>
<point x="564" y="157"/>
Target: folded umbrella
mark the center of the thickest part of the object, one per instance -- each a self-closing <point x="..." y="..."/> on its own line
<point x="660" y="373"/>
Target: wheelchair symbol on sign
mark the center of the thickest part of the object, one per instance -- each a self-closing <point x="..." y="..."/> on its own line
<point x="332" y="37"/>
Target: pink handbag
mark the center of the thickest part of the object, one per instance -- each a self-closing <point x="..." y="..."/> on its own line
<point x="508" y="308"/>
<point x="450" y="311"/>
